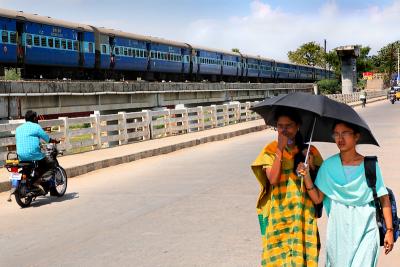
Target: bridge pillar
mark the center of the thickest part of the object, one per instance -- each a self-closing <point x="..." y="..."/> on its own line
<point x="348" y="56"/>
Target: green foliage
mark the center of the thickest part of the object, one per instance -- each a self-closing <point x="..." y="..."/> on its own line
<point x="329" y="86"/>
<point x="235" y="50"/>
<point x="12" y="74"/>
<point x="386" y="60"/>
<point x="365" y="63"/>
<point x="311" y="54"/>
<point x="333" y="61"/>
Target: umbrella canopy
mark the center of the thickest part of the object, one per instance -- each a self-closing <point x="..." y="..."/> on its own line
<point x="321" y="109"/>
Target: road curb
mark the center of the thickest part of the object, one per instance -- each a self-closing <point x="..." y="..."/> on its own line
<point x="83" y="169"/>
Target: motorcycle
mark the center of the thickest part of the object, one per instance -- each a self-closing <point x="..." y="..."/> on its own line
<point x="392" y="98"/>
<point x="24" y="173"/>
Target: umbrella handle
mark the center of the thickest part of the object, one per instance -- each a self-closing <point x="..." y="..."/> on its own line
<point x="309" y="143"/>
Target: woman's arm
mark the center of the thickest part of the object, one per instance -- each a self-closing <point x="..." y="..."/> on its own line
<point x="315" y="194"/>
<point x="274" y="173"/>
<point x="387" y="215"/>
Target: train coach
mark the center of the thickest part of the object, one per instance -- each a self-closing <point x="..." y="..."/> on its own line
<point x="36" y="43"/>
<point x="44" y="47"/>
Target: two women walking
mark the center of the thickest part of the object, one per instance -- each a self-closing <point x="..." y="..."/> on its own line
<point x="290" y="191"/>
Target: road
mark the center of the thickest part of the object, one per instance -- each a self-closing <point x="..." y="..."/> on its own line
<point x="193" y="207"/>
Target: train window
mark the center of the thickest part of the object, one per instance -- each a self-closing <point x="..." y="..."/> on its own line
<point x="137" y="53"/>
<point x="69" y="44"/>
<point x="28" y="39"/>
<point x="13" y="37"/>
<point x="50" y="42"/>
<point x="36" y="40"/>
<point x="43" y="41"/>
<point x="125" y="51"/>
<point x="130" y="52"/>
<point x="63" y="44"/>
<point x="103" y="49"/>
<point x="76" y="45"/>
<point x="117" y="50"/>
<point x="57" y="43"/>
<point x="90" y="47"/>
<point x="4" y="36"/>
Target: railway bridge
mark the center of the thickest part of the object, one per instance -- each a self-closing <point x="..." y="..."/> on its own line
<point x="82" y="98"/>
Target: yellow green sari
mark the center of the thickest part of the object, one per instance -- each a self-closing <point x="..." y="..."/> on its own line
<point x="286" y="213"/>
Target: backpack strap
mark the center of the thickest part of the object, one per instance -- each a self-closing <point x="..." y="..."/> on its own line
<point x="370" y="175"/>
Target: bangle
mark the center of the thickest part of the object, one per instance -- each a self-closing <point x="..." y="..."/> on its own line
<point x="311" y="188"/>
<point x="276" y="156"/>
<point x="389" y="229"/>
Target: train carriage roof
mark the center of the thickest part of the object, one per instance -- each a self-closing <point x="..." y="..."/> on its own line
<point x="167" y="42"/>
<point x="19" y="15"/>
<point x="112" y="32"/>
<point x="198" y="47"/>
<point x="266" y="59"/>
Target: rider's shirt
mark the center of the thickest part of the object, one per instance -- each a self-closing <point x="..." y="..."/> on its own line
<point x="28" y="137"/>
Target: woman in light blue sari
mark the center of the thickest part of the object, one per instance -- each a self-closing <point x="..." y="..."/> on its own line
<point x="352" y="232"/>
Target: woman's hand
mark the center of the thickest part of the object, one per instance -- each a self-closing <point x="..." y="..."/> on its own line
<point x="388" y="242"/>
<point x="282" y="141"/>
<point x="310" y="161"/>
<point x="303" y="170"/>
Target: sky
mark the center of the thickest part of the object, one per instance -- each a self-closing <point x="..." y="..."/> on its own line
<point x="269" y="28"/>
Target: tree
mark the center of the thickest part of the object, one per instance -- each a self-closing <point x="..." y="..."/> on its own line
<point x="364" y="62"/>
<point x="311" y="54"/>
<point x="332" y="59"/>
<point x="235" y="50"/>
<point x="386" y="60"/>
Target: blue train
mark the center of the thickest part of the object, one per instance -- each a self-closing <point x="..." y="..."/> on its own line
<point x="50" y="48"/>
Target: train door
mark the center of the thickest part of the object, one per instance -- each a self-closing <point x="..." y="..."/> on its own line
<point x="81" y="48"/>
<point x="111" y="42"/>
<point x="20" y="43"/>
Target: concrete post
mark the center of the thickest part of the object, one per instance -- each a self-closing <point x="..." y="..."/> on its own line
<point x="97" y="128"/>
<point x="186" y="120"/>
<point x="66" y="133"/>
<point x="147" y="120"/>
<point x="214" y="116"/>
<point x="200" y="115"/>
<point x="315" y="87"/>
<point x="226" y="114"/>
<point x="348" y="56"/>
<point x="122" y="126"/>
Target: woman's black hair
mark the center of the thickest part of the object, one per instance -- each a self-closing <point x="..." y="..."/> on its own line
<point x="298" y="140"/>
<point x="355" y="128"/>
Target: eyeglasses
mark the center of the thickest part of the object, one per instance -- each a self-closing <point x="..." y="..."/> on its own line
<point x="345" y="134"/>
<point x="285" y="126"/>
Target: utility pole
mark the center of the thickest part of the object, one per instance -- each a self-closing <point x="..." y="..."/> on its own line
<point x="325" y="56"/>
<point x="398" y="66"/>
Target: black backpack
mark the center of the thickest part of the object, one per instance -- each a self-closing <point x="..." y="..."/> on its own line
<point x="370" y="174"/>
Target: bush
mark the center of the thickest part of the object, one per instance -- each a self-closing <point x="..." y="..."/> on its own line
<point x="12" y="74"/>
<point x="329" y="86"/>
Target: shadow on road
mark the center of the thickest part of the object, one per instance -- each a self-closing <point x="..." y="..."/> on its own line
<point x="48" y="200"/>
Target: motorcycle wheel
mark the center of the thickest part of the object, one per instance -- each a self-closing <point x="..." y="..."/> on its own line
<point x="23" y="201"/>
<point x="60" y="180"/>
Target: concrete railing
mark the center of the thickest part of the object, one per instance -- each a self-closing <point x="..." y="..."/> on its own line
<point x="102" y="131"/>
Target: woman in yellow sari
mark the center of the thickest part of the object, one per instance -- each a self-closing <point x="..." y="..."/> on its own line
<point x="286" y="213"/>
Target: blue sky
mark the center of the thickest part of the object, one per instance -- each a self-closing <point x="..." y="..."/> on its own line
<point x="269" y="28"/>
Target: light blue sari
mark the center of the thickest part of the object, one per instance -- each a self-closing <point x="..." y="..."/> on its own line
<point x="352" y="233"/>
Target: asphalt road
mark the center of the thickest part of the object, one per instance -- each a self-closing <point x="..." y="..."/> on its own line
<point x="194" y="207"/>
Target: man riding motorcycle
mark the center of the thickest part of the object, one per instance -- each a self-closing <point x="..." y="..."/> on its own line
<point x="28" y="136"/>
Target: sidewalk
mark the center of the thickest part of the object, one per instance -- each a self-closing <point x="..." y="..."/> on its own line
<point x="79" y="164"/>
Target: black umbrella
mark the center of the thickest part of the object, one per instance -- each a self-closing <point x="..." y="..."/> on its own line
<point x="318" y="114"/>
